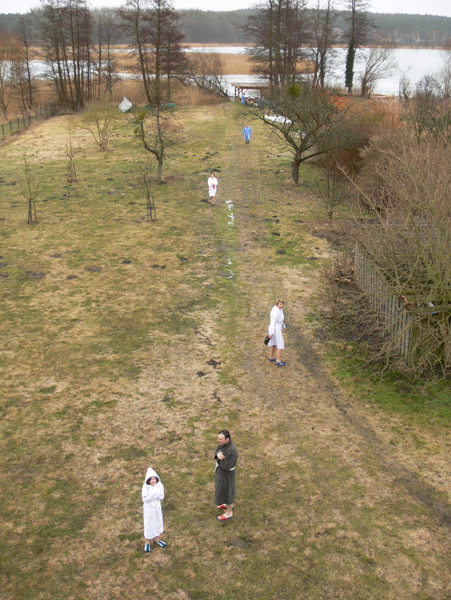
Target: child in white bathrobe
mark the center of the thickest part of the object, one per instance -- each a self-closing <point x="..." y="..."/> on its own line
<point x="152" y="495"/>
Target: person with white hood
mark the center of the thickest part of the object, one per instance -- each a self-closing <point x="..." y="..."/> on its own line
<point x="152" y="495"/>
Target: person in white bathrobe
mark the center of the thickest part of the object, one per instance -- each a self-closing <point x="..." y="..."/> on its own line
<point x="212" y="187"/>
<point x="152" y="495"/>
<point x="276" y="343"/>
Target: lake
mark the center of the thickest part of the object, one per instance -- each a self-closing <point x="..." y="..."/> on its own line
<point x="410" y="62"/>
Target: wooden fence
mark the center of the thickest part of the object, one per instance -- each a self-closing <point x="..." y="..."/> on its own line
<point x="390" y="310"/>
<point x="24" y="121"/>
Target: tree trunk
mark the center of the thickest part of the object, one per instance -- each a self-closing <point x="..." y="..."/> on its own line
<point x="160" y="167"/>
<point x="295" y="170"/>
<point x="349" y="78"/>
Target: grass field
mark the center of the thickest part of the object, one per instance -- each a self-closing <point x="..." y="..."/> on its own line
<point x="128" y="344"/>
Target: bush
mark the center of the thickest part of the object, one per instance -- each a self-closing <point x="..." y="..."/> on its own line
<point x="370" y="118"/>
<point x="403" y="222"/>
<point x="100" y="119"/>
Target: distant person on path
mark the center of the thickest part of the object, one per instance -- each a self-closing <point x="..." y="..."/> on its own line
<point x="276" y="342"/>
<point x="152" y="495"/>
<point x="212" y="187"/>
<point x="247" y="134"/>
<point x="226" y="456"/>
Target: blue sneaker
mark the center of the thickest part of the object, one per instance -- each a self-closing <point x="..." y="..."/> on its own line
<point x="280" y="364"/>
<point x="147" y="548"/>
<point x="272" y="360"/>
<point x="161" y="544"/>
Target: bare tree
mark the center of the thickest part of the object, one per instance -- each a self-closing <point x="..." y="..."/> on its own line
<point x="156" y="131"/>
<point x="206" y="72"/>
<point x="9" y="54"/>
<point x="308" y="120"/>
<point x="428" y="113"/>
<point x="173" y="61"/>
<point x="278" y="28"/>
<point x="323" y="38"/>
<point x="25" y="32"/>
<point x="66" y="31"/>
<point x="332" y="190"/>
<point x="378" y="63"/>
<point x="152" y="25"/>
<point x="70" y="153"/>
<point x="30" y="189"/>
<point x="405" y="87"/>
<point x="106" y="28"/>
<point x="100" y="119"/>
<point x="136" y="18"/>
<point x="144" y="173"/>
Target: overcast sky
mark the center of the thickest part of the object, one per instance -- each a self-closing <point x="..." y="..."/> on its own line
<point x="419" y="7"/>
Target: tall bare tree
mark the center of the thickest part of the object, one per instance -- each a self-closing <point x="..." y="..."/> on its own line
<point x="322" y="40"/>
<point x="26" y="36"/>
<point x="105" y="29"/>
<point x="136" y="18"/>
<point x="9" y="54"/>
<point x="65" y="27"/>
<point x="278" y="29"/>
<point x="153" y="28"/>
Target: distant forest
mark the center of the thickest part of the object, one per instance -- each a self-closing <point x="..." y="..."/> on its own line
<point x="226" y="27"/>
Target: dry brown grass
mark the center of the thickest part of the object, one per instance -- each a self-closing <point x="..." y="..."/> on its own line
<point x="322" y="509"/>
<point x="232" y="64"/>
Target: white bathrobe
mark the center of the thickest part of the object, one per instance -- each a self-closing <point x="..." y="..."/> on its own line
<point x="276" y="323"/>
<point x="212" y="186"/>
<point x="152" y="495"/>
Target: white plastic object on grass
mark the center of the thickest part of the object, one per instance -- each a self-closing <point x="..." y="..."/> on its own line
<point x="125" y="105"/>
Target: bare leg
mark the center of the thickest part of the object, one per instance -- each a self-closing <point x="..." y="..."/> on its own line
<point x="279" y="355"/>
<point x="272" y="351"/>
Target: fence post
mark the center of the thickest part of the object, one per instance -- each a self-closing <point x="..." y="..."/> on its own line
<point x="3" y="130"/>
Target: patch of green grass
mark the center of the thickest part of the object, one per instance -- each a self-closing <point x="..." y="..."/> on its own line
<point x="394" y="392"/>
<point x="47" y="390"/>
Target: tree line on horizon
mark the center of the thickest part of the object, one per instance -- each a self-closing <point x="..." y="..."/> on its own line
<point x="227" y="27"/>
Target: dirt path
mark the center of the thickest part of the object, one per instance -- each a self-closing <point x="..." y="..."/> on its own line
<point x="354" y="486"/>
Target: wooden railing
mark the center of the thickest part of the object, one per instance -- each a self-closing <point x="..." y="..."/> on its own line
<point x="388" y="307"/>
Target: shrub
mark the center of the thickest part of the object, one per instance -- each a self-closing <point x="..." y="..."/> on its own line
<point x="403" y="222"/>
